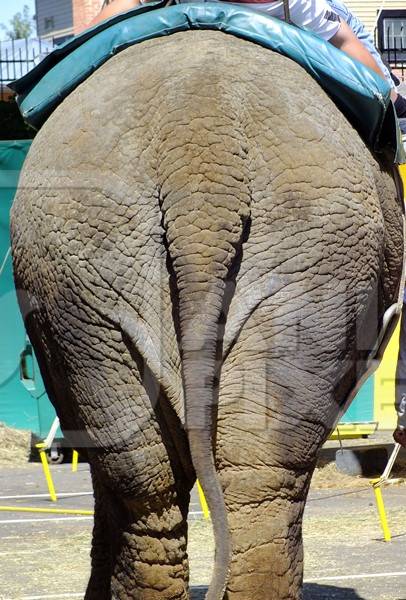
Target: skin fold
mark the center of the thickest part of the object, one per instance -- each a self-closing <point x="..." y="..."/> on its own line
<point x="203" y="251"/>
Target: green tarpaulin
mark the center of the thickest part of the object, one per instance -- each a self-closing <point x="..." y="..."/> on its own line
<point x="24" y="407"/>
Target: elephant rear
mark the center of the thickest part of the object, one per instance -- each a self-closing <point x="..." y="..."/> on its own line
<point x="202" y="252"/>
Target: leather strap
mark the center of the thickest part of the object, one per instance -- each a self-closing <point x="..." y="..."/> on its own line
<point x="287" y="10"/>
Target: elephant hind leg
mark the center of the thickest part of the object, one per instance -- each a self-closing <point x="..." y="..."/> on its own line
<point x="141" y="487"/>
<point x="137" y="557"/>
<point x="99" y="586"/>
<point x="152" y="554"/>
<point x="140" y="534"/>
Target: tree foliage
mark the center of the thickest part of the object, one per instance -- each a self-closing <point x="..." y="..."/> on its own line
<point x="21" y="25"/>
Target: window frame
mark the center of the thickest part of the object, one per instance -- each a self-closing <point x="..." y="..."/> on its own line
<point x="388" y="13"/>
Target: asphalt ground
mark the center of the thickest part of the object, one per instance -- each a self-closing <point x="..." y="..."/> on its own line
<point x="46" y="556"/>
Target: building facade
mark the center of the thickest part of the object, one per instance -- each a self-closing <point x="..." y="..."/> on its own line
<point x="54" y="20"/>
<point x="58" y="20"/>
<point x="368" y="10"/>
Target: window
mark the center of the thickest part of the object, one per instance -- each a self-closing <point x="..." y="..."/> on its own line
<point x="49" y="23"/>
<point x="392" y="35"/>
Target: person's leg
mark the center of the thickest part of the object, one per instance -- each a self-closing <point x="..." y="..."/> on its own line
<point x="362" y="34"/>
<point x="366" y="39"/>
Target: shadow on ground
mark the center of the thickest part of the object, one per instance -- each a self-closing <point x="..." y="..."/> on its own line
<point x="198" y="592"/>
<point x="312" y="591"/>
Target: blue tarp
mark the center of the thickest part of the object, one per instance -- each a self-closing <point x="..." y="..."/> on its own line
<point x="359" y="92"/>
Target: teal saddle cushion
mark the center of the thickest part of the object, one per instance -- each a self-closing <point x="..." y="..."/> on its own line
<point x="359" y="92"/>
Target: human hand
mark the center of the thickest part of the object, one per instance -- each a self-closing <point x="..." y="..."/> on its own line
<point x="399" y="435"/>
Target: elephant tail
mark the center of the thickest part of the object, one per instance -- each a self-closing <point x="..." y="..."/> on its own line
<point x="204" y="237"/>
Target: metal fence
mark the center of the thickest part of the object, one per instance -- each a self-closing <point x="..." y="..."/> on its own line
<point x="396" y="58"/>
<point x="17" y="57"/>
<point x="393" y="50"/>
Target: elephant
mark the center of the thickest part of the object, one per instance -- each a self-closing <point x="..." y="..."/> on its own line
<point x="204" y="249"/>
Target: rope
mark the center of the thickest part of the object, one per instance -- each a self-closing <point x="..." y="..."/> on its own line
<point x="340" y="441"/>
<point x="3" y="264"/>
<point x="339" y="494"/>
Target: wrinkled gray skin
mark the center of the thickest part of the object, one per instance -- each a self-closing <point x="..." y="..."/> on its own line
<point x="199" y="209"/>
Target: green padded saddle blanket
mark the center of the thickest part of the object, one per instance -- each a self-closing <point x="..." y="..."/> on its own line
<point x="359" y="92"/>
